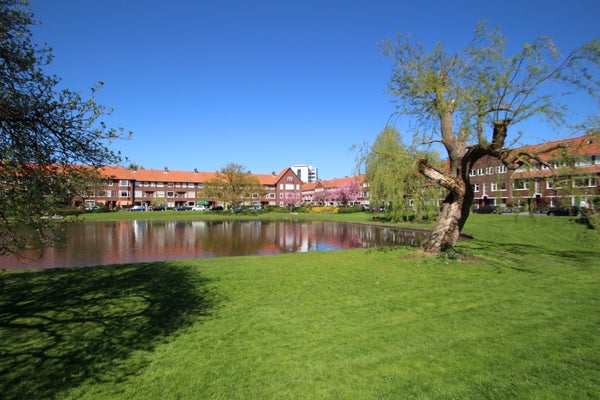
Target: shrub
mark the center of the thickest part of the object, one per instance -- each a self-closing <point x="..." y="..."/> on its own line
<point x="325" y="209"/>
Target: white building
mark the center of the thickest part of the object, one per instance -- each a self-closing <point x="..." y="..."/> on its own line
<point x="306" y="173"/>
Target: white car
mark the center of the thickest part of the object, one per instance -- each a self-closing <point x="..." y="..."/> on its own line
<point x="198" y="208"/>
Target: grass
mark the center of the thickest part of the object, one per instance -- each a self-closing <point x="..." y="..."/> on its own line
<point x="520" y="318"/>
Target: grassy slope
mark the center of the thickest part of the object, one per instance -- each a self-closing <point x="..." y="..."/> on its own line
<point x="519" y="321"/>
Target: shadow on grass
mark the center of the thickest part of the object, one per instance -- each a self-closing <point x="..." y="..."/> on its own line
<point x="60" y="328"/>
<point x="529" y="257"/>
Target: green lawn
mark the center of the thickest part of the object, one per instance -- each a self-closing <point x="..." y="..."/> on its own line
<point x="518" y="319"/>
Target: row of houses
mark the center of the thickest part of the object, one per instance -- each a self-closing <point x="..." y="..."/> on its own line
<point x="568" y="175"/>
<point x="553" y="180"/>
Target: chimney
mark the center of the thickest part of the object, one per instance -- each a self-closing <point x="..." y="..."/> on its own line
<point x="166" y="170"/>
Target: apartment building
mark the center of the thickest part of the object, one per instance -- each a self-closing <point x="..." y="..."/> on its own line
<point x="306" y="173"/>
<point x="125" y="188"/>
<point x="567" y="175"/>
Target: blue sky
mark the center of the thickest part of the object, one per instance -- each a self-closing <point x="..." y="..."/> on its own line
<point x="268" y="84"/>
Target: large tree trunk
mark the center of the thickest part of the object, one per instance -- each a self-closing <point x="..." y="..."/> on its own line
<point x="447" y="227"/>
<point x="455" y="207"/>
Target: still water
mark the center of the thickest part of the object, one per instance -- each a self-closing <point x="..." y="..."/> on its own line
<point x="117" y="242"/>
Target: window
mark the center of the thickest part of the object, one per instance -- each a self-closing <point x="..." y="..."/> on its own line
<point x="552" y="184"/>
<point x="109" y="182"/>
<point x="170" y="184"/>
<point x="480" y="171"/>
<point x="584" y="182"/>
<point x="160" y="184"/>
<point x="290" y="179"/>
<point x="494" y="186"/>
<point x="123" y="182"/>
<point x="584" y="162"/>
<point x="521" y="184"/>
<point x="501" y="169"/>
<point x="170" y="194"/>
<point x="123" y="193"/>
<point x="489" y="170"/>
<point x="476" y="187"/>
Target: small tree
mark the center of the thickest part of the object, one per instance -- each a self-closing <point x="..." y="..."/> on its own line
<point x="46" y="135"/>
<point x="347" y="193"/>
<point x="319" y="197"/>
<point x="468" y="101"/>
<point x="231" y="183"/>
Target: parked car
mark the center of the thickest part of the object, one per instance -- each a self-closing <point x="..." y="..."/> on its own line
<point x="159" y="207"/>
<point x="487" y="209"/>
<point x="198" y="208"/>
<point x="182" y="208"/>
<point x="563" y="211"/>
<point x="93" y="208"/>
<point x="512" y="210"/>
<point x="217" y="208"/>
<point x="137" y="208"/>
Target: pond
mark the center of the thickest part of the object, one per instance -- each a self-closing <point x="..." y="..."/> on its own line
<point x="90" y="243"/>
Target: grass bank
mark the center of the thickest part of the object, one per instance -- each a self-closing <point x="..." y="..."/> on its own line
<point x="358" y="217"/>
<point x="520" y="319"/>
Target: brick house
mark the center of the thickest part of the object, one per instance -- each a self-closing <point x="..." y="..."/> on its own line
<point x="568" y="175"/>
<point x="125" y="188"/>
<point x="560" y="180"/>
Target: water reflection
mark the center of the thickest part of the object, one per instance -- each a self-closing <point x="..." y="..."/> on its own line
<point x="117" y="242"/>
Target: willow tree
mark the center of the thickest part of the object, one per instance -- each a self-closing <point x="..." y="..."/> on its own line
<point x="467" y="101"/>
<point x="390" y="167"/>
<point x="46" y="135"/>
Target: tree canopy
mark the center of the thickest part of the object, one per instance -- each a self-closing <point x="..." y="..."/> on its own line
<point x="391" y="170"/>
<point x="232" y="185"/>
<point x="467" y="101"/>
<point x="51" y="139"/>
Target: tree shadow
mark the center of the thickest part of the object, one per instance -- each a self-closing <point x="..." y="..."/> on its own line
<point x="514" y="255"/>
<point x="59" y="328"/>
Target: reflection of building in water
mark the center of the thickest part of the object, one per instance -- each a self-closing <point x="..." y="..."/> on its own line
<point x="121" y="242"/>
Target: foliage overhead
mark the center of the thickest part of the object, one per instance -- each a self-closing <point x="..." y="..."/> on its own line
<point x="46" y="135"/>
